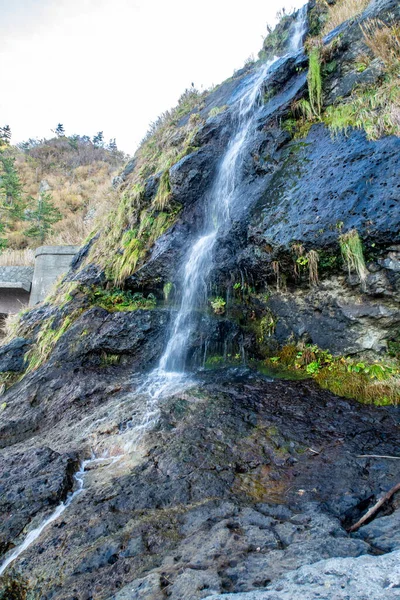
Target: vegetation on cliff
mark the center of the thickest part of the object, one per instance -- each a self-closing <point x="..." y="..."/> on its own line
<point x="144" y="207"/>
<point x="53" y="191"/>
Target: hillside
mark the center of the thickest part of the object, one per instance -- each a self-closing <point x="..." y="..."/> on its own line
<point x="208" y="404"/>
<point x="72" y="172"/>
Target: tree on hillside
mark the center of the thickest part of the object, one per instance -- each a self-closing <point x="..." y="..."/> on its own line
<point x="10" y="186"/>
<point x="112" y="145"/>
<point x="98" y="139"/>
<point x="59" y="130"/>
<point x="42" y="218"/>
<point x="3" y="241"/>
<point x="5" y="134"/>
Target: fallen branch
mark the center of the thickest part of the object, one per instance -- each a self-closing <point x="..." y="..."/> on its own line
<point x="375" y="508"/>
<point x="377" y="456"/>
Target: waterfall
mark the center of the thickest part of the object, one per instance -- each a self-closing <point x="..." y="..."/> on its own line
<point x="300" y="30"/>
<point x="199" y="261"/>
<point x="169" y="377"/>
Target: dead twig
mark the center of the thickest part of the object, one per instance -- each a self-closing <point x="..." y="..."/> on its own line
<point x="377" y="456"/>
<point x="376" y="507"/>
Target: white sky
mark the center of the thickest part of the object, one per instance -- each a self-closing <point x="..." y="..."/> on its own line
<point x="115" y="65"/>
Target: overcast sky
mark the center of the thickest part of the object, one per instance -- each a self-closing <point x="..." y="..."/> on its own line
<point x="115" y="65"/>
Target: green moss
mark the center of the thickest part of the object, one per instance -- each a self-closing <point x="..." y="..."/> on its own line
<point x="276" y="39"/>
<point x="50" y="332"/>
<point x="216" y="110"/>
<point x="317" y="17"/>
<point x="371" y="383"/>
<point x="117" y="300"/>
<point x="394" y="349"/>
<point x="7" y="379"/>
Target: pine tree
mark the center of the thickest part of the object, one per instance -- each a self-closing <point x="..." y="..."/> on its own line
<point x="10" y="186"/>
<point x="59" y="130"/>
<point x="98" y="139"/>
<point x="5" y="134"/>
<point x="112" y="145"/>
<point x="3" y="241"/>
<point x="42" y="218"/>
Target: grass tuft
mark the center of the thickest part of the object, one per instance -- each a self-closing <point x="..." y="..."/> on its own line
<point x="342" y="11"/>
<point x="352" y="252"/>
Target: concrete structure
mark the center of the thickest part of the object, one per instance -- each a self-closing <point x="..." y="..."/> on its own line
<point x="50" y="263"/>
<point x="15" y="287"/>
<point x="20" y="286"/>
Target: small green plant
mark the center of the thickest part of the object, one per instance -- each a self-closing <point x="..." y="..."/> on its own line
<point x="377" y="383"/>
<point x="108" y="359"/>
<point x="216" y="110"/>
<point x="315" y="80"/>
<point x="352" y="252"/>
<point x="267" y="326"/>
<point x="302" y="261"/>
<point x="313" y="367"/>
<point x="218" y="305"/>
<point x="167" y="289"/>
<point x="116" y="300"/>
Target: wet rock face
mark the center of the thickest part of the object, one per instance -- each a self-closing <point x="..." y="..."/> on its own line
<point x="12" y="355"/>
<point x="330" y="183"/>
<point x="242" y="480"/>
<point x="51" y="477"/>
<point x="81" y="368"/>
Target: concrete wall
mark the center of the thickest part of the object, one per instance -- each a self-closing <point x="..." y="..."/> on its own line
<point x="50" y="263"/>
<point x="15" y="285"/>
<point x="12" y="276"/>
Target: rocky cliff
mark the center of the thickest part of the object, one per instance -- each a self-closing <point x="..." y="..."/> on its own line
<point x="231" y="479"/>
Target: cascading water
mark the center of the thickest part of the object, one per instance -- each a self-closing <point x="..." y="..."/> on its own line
<point x="169" y="378"/>
<point x="200" y="258"/>
<point x="222" y="198"/>
<point x="299" y="31"/>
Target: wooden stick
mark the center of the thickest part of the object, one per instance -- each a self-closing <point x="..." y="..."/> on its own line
<point x="377" y="456"/>
<point x="376" y="507"/>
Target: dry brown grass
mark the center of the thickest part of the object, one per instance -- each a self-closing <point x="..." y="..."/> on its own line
<point x="342" y="11"/>
<point x="383" y="40"/>
<point x="80" y="188"/>
<point x="17" y="258"/>
<point x="8" y="327"/>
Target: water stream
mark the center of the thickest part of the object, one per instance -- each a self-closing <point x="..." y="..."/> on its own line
<point x="170" y="376"/>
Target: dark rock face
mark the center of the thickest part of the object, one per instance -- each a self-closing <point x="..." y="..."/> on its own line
<point x="329" y="183"/>
<point x="237" y="479"/>
<point x="12" y="355"/>
<point x="241" y="480"/>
